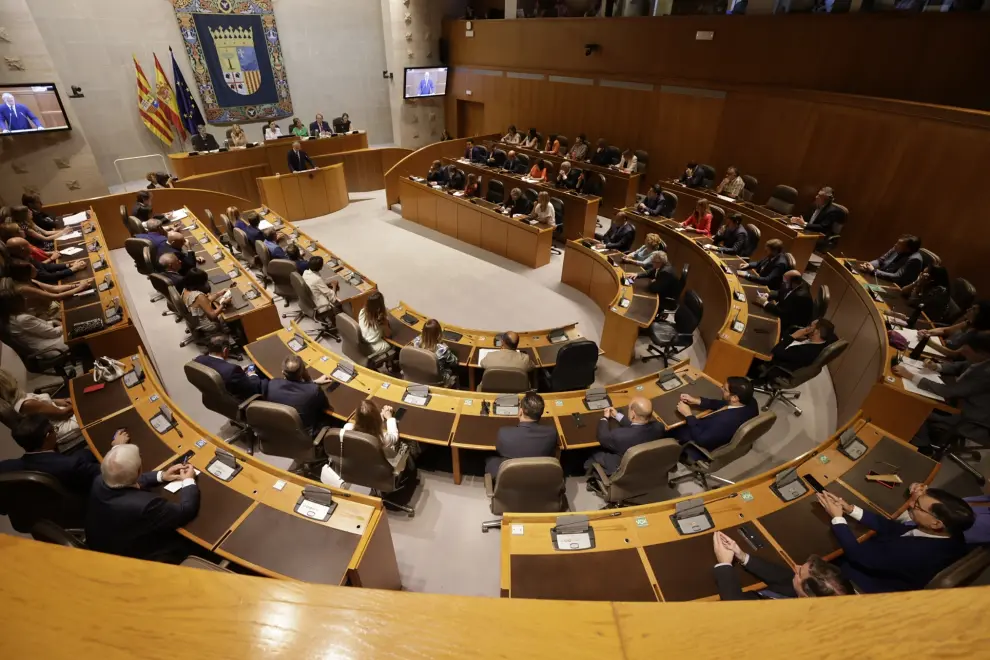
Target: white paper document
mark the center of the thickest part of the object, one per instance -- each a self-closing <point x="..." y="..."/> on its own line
<point x="74" y="219"/>
<point x="177" y="214"/>
<point x="918" y="368"/>
<point x="176" y="486"/>
<point x="912" y="337"/>
<point x="313" y="510"/>
<point x="264" y="224"/>
<point x="482" y="352"/>
<point x="69" y="251"/>
<point x="69" y="237"/>
<point x="724" y="198"/>
<point x="580" y="541"/>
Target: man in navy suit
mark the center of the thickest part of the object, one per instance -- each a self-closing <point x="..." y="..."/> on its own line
<point x="36" y="436"/>
<point x="240" y="384"/>
<point x="296" y="390"/>
<point x="637" y="427"/>
<point x="319" y="126"/>
<point x="249" y="225"/>
<point x="124" y="518"/>
<point x="526" y="440"/>
<point x="475" y="153"/>
<point x="426" y="86"/>
<point x="169" y="267"/>
<point x="17" y="116"/>
<point x="620" y="235"/>
<point x="732" y="237"/>
<point x="299" y="160"/>
<point x="175" y="243"/>
<point x="908" y="552"/>
<point x="736" y="407"/>
<point x="154" y="232"/>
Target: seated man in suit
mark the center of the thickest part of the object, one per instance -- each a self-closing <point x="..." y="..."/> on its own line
<point x="436" y="173"/>
<point x="41" y="217"/>
<point x="17" y="116"/>
<point x="249" y="225"/>
<point x="693" y="175"/>
<point x="791" y="302"/>
<point x="665" y="282"/>
<point x="823" y="215"/>
<point x="814" y="578"/>
<point x="240" y="384"/>
<point x="37" y="437"/>
<point x="906" y="553"/>
<point x="655" y="203"/>
<point x="176" y="244"/>
<point x="124" y="518"/>
<point x="508" y="357"/>
<point x="768" y="271"/>
<point x="526" y="440"/>
<point x="319" y="127"/>
<point x="901" y="264"/>
<point x="296" y="390"/>
<point x="170" y="266"/>
<point x="299" y="160"/>
<point x="732" y="184"/>
<point x="732" y="237"/>
<point x="142" y="206"/>
<point x="155" y="232"/>
<point x="512" y="163"/>
<point x="49" y="272"/>
<point x="600" y="155"/>
<point x="969" y="391"/>
<point x="620" y="235"/>
<point x="294" y="254"/>
<point x="637" y="427"/>
<point x="270" y="239"/>
<point x="474" y="153"/>
<point x="796" y="351"/>
<point x="566" y="177"/>
<point x="204" y="141"/>
<point x="736" y="407"/>
<point x="516" y="203"/>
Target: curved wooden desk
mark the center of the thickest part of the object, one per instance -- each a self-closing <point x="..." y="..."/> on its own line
<point x="641" y="555"/>
<point x="799" y="243"/>
<point x="249" y="519"/>
<point x="476" y="222"/>
<point x="306" y="194"/>
<point x="273" y="153"/>
<point x="419" y="161"/>
<point x="364" y="168"/>
<point x="240" y="182"/>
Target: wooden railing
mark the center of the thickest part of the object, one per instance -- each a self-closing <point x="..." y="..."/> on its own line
<point x="365" y="168"/>
<point x="418" y="162"/>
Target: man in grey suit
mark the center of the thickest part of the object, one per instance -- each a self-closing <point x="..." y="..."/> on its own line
<point x="970" y="392"/>
<point x="526" y="440"/>
<point x="637" y="427"/>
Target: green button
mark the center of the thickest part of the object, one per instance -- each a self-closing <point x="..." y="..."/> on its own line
<point x="642" y="522"/>
<point x="747" y="496"/>
<point x="823" y="459"/>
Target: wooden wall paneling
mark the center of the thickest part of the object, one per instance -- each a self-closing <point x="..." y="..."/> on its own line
<point x="410" y="197"/>
<point x="494" y="234"/>
<point x="468" y="225"/>
<point x="427" y="210"/>
<point x="603" y="285"/>
<point x="685" y="130"/>
<point x="447" y="217"/>
<point x="576" y="271"/>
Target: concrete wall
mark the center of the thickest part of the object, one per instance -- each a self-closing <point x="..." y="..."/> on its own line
<point x="61" y="166"/>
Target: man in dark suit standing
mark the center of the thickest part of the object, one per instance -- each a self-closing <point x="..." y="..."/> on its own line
<point x="124" y="518"/>
<point x="664" y="281"/>
<point x="906" y="555"/>
<point x="319" y="127"/>
<point x="240" y="384"/>
<point x="792" y="302"/>
<point x="637" y="427"/>
<point x="736" y="407"/>
<point x="823" y="216"/>
<point x="296" y="390"/>
<point x="299" y="160"/>
<point x="797" y="351"/>
<point x="204" y="141"/>
<point x="732" y="237"/>
<point x="814" y="578"/>
<point x="526" y="440"/>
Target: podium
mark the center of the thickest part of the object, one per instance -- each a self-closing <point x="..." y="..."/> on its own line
<point x="304" y="195"/>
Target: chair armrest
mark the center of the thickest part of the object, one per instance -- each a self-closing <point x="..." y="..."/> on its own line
<point x="400" y="461"/>
<point x="242" y="408"/>
<point x="318" y="440"/>
<point x="489" y="486"/>
<point x="777" y="371"/>
<point x="701" y="450"/>
<point x="600" y="474"/>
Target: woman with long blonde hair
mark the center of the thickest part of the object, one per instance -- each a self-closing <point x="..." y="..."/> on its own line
<point x="429" y="340"/>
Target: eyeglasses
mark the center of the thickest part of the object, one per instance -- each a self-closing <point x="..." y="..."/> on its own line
<point x="917" y="506"/>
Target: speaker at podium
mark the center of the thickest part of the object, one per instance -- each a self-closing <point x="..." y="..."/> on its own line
<point x="306" y="194"/>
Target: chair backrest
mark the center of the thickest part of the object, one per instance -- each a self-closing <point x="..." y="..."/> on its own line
<point x="682" y="282"/>
<point x="263" y="255"/>
<point x="614" y="154"/>
<point x="839" y="222"/>
<point x="929" y="258"/>
<point x="161" y="284"/>
<point x="228" y="228"/>
<point x="782" y="199"/>
<point x="529" y="485"/>
<point x="595" y="183"/>
<point x="523" y="161"/>
<point x="281" y="272"/>
<point x="963" y="294"/>
<point x="499" y="156"/>
<point x="134" y="226"/>
<point x="50" y="532"/>
<point x="754" y="234"/>
<point x="210" y="384"/>
<point x="791" y="261"/>
<point x="749" y="186"/>
<point x="531" y="196"/>
<point x="564" y="142"/>
<point x="279" y="429"/>
<point x="496" y="191"/>
<point x="963" y="571"/>
<point x="304" y="297"/>
<point x="338" y="124"/>
<point x="718" y="217"/>
<point x="673" y="205"/>
<point x="821" y="302"/>
<point x="123" y="215"/>
<point x="642" y="472"/>
<point x="27" y="497"/>
<point x="803" y="375"/>
<point x="709" y="177"/>
<point x="420" y="365"/>
<point x="558" y="210"/>
<point x="688" y="316"/>
<point x="241" y="239"/>
<point x="575" y="367"/>
<point x="742" y="440"/>
<point x="360" y="460"/>
<point x="139" y="250"/>
<point x="211" y="222"/>
<point x="354" y="346"/>
<point x="506" y="381"/>
<point x="642" y="159"/>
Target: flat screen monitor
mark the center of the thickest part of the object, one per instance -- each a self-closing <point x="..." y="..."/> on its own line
<point x="425" y="82"/>
<point x="30" y="108"/>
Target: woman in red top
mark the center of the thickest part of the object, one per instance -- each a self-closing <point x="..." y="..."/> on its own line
<point x="10" y="230"/>
<point x="552" y="147"/>
<point x="539" y="171"/>
<point x="471" y="187"/>
<point x="701" y="220"/>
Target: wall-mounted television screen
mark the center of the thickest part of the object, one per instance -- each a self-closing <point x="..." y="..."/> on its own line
<point x="31" y="107"/>
<point x="425" y="81"/>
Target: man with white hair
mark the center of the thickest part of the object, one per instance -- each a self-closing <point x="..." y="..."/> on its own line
<point x="16" y="116"/>
<point x="124" y="518"/>
<point x="176" y="244"/>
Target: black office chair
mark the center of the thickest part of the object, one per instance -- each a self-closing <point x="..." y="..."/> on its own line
<point x="671" y="338"/>
<point x="523" y="162"/>
<point x="754" y="240"/>
<point x="482" y="152"/>
<point x="672" y="206"/>
<point x="782" y="199"/>
<point x="531" y="196"/>
<point x="642" y="159"/>
<point x="212" y="223"/>
<point x="614" y="154"/>
<point x="498" y="158"/>
<point x="963" y="293"/>
<point x="575" y="367"/>
<point x="558" y="218"/>
<point x="830" y="242"/>
<point x="139" y="250"/>
<point x="718" y="217"/>
<point x="929" y="258"/>
<point x="709" y="178"/>
<point x="749" y="187"/>
<point x="668" y="305"/>
<point x="594" y="184"/>
<point x="822" y="301"/>
<point x="134" y="225"/>
<point x="47" y="531"/>
<point x="496" y="191"/>
<point x="161" y="284"/>
<point x="28" y="497"/>
<point x="338" y="125"/>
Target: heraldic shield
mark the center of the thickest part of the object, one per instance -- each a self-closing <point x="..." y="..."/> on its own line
<point x="235" y="49"/>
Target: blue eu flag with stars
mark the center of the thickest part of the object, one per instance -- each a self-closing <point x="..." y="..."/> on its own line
<point x="188" y="110"/>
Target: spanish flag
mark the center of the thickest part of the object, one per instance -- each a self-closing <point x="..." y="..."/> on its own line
<point x="166" y="100"/>
<point x="150" y="109"/>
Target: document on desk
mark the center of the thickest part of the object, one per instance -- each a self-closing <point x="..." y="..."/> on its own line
<point x="579" y="541"/>
<point x="912" y="337"/>
<point x="482" y="352"/>
<point x="264" y="224"/>
<point x="177" y="214"/>
<point x="313" y="510"/>
<point x="74" y="219"/>
<point x="87" y="292"/>
<point x="724" y="198"/>
<point x="176" y="486"/>
<point x="917" y="367"/>
<point x="69" y="251"/>
<point x="69" y="237"/>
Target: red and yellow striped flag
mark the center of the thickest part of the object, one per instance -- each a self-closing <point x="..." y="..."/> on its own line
<point x="150" y="109"/>
<point x="166" y="100"/>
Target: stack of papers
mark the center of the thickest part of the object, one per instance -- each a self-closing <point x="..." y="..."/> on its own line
<point x="74" y="219"/>
<point x="87" y="292"/>
<point x="724" y="198"/>
<point x="912" y="337"/>
<point x="69" y="251"/>
<point x="177" y="214"/>
<point x="917" y="368"/>
<point x="264" y="224"/>
<point x="70" y="236"/>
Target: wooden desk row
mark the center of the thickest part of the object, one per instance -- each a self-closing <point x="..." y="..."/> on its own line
<point x="307" y="194"/>
<point x="580" y="211"/>
<point x="117" y="338"/>
<point x="620" y="187"/>
<point x="476" y="222"/>
<point x="249" y="519"/>
<point x="454" y="418"/>
<point x="640" y="555"/>
<point x="273" y="153"/>
<point x="799" y="243"/>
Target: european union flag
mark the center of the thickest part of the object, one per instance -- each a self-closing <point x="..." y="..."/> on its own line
<point x="188" y="110"/>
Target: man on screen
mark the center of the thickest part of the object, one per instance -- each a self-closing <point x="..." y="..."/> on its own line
<point x="426" y="86"/>
<point x="16" y="116"/>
